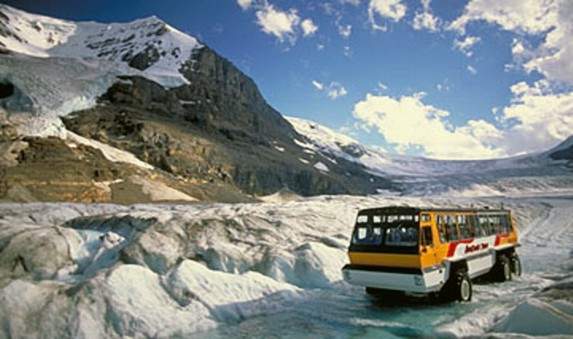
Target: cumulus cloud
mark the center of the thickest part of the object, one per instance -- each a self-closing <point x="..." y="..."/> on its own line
<point x="350" y="2"/>
<point x="334" y="90"/>
<point x="540" y="114"/>
<point x="308" y="27"/>
<point x="386" y="9"/>
<point x="285" y="25"/>
<point x="279" y="23"/>
<point x="408" y="123"/>
<point x="426" y="19"/>
<point x="536" y="119"/>
<point x="466" y="44"/>
<point x="245" y="4"/>
<point x="541" y="117"/>
<point x="551" y="19"/>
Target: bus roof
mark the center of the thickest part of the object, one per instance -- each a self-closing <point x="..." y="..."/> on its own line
<point x="415" y="210"/>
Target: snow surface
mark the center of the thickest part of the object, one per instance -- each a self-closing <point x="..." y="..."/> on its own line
<point x="264" y="269"/>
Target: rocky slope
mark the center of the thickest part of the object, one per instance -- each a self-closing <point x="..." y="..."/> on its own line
<point x="172" y="102"/>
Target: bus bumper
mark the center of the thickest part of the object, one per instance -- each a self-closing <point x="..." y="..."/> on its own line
<point x="415" y="281"/>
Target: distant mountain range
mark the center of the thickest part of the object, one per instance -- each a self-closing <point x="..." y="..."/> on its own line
<point x="139" y="111"/>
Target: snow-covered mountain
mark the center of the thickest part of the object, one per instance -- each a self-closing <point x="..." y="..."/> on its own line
<point x="59" y="66"/>
<point x="173" y="107"/>
<point x="149" y="45"/>
<point x="532" y="173"/>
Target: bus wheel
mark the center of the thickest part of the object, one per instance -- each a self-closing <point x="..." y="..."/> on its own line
<point x="459" y="287"/>
<point x="464" y="287"/>
<point x="516" y="265"/>
<point x="503" y="269"/>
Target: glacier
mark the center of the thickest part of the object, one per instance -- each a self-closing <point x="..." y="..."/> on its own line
<point x="260" y="269"/>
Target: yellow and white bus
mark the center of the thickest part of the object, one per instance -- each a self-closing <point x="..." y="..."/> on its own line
<point x="431" y="251"/>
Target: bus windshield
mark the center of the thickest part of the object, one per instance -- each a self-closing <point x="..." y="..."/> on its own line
<point x="386" y="233"/>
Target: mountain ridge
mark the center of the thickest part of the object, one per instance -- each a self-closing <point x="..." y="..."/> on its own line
<point x="199" y="123"/>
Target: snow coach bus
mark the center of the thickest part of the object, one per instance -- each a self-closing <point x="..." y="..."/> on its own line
<point x="429" y="251"/>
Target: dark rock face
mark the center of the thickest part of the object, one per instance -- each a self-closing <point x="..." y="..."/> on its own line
<point x="221" y="97"/>
<point x="218" y="129"/>
<point x="564" y="150"/>
<point x="145" y="59"/>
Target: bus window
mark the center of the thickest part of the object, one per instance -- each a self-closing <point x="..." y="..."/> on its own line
<point x="505" y="224"/>
<point x="401" y="236"/>
<point x="466" y="229"/>
<point x="451" y="229"/>
<point x="425" y="217"/>
<point x="427" y="236"/>
<point x="365" y="235"/>
<point x="494" y="224"/>
<point x="442" y="229"/>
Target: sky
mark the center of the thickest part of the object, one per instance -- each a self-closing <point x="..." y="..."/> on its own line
<point x="441" y="79"/>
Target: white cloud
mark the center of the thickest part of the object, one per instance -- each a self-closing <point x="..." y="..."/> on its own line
<point x="279" y="23"/>
<point x="350" y="2"/>
<point x="320" y="47"/>
<point x="444" y="86"/>
<point x="245" y="4"/>
<point x="426" y="19"/>
<point x="409" y="123"/>
<point x="308" y="27"/>
<point x="387" y="9"/>
<point x="345" y="30"/>
<point x="550" y="19"/>
<point x="542" y="118"/>
<point x="471" y="69"/>
<point x="465" y="45"/>
<point x="529" y="16"/>
<point x="318" y="85"/>
<point x="334" y="90"/>
<point x="540" y="115"/>
<point x="347" y="51"/>
<point x="382" y="86"/>
<point x="536" y="119"/>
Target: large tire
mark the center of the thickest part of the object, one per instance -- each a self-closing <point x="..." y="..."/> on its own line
<point x="515" y="265"/>
<point x="502" y="269"/>
<point x="459" y="287"/>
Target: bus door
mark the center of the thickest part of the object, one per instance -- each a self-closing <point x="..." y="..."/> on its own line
<point x="428" y="245"/>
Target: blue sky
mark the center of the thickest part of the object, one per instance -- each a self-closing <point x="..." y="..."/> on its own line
<point x="393" y="80"/>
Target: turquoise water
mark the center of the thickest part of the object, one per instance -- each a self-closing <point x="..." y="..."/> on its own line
<point x="347" y="312"/>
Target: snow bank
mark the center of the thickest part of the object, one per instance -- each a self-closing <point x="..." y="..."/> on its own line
<point x="139" y="305"/>
<point x="536" y="317"/>
<point x="109" y="152"/>
<point x="229" y="297"/>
